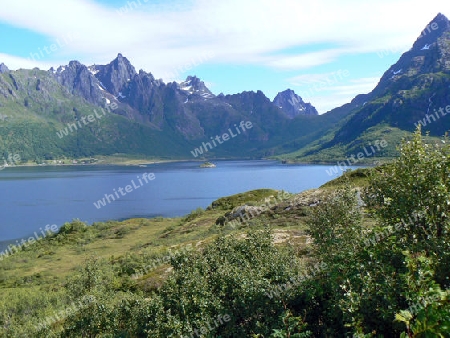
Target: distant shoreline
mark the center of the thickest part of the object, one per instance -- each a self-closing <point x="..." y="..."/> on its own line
<point x="116" y="161"/>
<point x="105" y="162"/>
<point x="136" y="162"/>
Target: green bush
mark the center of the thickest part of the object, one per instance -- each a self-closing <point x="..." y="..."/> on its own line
<point x="72" y="227"/>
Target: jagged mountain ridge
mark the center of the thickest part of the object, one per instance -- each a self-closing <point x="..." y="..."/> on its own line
<point x="143" y="98"/>
<point x="152" y="113"/>
<point x="179" y="106"/>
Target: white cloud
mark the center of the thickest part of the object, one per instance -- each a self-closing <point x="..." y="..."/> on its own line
<point x="238" y="31"/>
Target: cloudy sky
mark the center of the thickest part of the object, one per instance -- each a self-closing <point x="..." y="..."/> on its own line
<point x="328" y="51"/>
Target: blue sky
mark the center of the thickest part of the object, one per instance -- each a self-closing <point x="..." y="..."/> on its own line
<point x="328" y="51"/>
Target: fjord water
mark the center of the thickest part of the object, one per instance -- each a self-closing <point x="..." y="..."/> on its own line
<point x="33" y="197"/>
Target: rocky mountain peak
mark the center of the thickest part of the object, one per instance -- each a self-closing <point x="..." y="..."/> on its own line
<point x="193" y="85"/>
<point x="429" y="54"/>
<point x="3" y="68"/>
<point x="79" y="80"/>
<point x="115" y="75"/>
<point x="432" y="32"/>
<point x="292" y="104"/>
<point x="76" y="64"/>
<point x="71" y="70"/>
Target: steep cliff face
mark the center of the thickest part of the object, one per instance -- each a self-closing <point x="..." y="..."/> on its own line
<point x="80" y="81"/>
<point x="3" y="68"/>
<point x="116" y="75"/>
<point x="146" y="96"/>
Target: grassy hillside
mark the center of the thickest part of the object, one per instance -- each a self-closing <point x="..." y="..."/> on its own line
<point x="316" y="152"/>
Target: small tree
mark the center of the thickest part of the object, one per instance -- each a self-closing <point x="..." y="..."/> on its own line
<point x="415" y="190"/>
<point x="91" y="292"/>
<point x="335" y="228"/>
<point x="410" y="198"/>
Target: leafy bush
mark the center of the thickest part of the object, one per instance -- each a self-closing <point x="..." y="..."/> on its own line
<point x="231" y="276"/>
<point x="72" y="227"/>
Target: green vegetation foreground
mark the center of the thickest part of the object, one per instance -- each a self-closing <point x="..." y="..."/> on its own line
<point x="376" y="267"/>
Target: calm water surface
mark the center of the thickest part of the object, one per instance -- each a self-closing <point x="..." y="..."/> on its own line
<point x="35" y="196"/>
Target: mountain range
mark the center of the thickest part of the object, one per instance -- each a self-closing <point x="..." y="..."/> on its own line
<point x="77" y="111"/>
